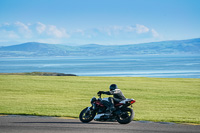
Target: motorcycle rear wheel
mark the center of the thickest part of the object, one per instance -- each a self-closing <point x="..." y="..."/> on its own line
<point x="87" y="115"/>
<point x="126" y="116"/>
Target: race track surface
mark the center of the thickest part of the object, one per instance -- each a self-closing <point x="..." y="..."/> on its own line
<point x="34" y="124"/>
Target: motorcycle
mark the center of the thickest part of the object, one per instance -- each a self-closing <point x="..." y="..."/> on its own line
<point x="122" y="113"/>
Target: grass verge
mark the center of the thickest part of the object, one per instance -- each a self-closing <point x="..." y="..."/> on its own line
<point x="157" y="99"/>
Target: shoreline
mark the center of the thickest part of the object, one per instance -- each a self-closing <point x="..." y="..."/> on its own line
<point x="39" y="74"/>
<point x="63" y="74"/>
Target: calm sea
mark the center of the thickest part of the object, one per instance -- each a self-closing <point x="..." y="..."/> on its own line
<point x="123" y="66"/>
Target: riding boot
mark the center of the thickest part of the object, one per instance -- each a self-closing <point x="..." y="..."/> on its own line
<point x="108" y="111"/>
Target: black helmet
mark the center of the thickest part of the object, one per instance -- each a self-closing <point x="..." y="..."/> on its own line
<point x="113" y="87"/>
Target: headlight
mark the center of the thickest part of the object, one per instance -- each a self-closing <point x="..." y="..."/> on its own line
<point x="93" y="99"/>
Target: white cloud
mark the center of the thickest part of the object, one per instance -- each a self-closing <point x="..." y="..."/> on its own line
<point x="119" y="30"/>
<point x="6" y="24"/>
<point x="130" y="29"/>
<point x="141" y="29"/>
<point x="21" y="32"/>
<point x="8" y="35"/>
<point x="79" y="31"/>
<point x="38" y="31"/>
<point x="51" y="30"/>
<point x="59" y="33"/>
<point x="23" y="29"/>
<point x="154" y="33"/>
<point x="40" y="27"/>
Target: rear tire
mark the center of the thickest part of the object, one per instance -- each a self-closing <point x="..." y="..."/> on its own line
<point x="126" y="116"/>
<point x="87" y="116"/>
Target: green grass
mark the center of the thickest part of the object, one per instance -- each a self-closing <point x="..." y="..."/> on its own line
<point x="157" y="99"/>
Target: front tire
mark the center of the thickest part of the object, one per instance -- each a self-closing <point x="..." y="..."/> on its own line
<point x="87" y="115"/>
<point x="126" y="116"/>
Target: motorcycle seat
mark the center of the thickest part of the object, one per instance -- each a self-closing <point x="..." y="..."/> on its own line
<point x="126" y="100"/>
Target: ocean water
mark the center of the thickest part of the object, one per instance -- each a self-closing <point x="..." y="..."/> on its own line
<point x="119" y="66"/>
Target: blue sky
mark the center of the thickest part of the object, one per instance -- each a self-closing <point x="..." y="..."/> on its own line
<point x="106" y="22"/>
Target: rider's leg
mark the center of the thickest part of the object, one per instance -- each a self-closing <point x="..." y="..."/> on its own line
<point x="110" y="107"/>
<point x="111" y="101"/>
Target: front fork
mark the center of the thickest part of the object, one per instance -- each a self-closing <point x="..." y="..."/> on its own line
<point x="93" y="107"/>
<point x="88" y="109"/>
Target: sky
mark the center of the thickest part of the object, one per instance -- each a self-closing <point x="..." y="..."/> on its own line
<point x="105" y="22"/>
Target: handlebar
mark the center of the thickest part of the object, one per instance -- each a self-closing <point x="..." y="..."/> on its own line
<point x="99" y="95"/>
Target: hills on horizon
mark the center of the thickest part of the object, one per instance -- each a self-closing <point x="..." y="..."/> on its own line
<point x="35" y="49"/>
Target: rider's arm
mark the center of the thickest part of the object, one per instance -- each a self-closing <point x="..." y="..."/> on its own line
<point x="107" y="92"/>
<point x="111" y="92"/>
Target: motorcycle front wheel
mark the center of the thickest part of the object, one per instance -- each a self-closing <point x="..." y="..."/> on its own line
<point x="126" y="116"/>
<point x="87" y="115"/>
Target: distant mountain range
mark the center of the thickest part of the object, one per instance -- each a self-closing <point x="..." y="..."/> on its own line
<point x="32" y="49"/>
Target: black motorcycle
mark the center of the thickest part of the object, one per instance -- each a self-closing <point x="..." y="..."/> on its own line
<point x="122" y="113"/>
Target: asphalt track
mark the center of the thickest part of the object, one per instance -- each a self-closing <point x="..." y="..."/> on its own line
<point x="34" y="124"/>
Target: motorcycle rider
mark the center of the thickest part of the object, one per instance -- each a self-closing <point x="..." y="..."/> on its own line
<point x="117" y="97"/>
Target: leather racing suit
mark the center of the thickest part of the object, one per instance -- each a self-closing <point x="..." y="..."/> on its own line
<point x="117" y="97"/>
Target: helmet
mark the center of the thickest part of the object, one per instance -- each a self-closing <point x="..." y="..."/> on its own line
<point x="113" y="87"/>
